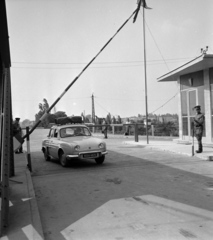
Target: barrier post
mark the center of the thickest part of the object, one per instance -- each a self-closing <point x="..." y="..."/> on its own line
<point x="136" y="132"/>
<point x="28" y="150"/>
<point x="153" y="130"/>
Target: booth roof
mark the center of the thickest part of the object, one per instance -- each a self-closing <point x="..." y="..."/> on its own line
<point x="202" y="62"/>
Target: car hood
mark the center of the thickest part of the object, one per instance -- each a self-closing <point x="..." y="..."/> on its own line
<point x="83" y="141"/>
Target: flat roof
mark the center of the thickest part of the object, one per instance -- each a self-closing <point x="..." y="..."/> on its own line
<point x="202" y="62"/>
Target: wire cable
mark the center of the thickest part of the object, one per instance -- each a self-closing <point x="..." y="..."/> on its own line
<point x="165" y="103"/>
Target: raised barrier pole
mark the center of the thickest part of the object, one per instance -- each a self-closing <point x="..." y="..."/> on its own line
<point x="29" y="165"/>
<point x="76" y="78"/>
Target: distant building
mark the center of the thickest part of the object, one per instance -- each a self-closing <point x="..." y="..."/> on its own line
<point x="167" y="119"/>
<point x="195" y="82"/>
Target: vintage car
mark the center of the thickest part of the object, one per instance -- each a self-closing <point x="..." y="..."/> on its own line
<point x="73" y="141"/>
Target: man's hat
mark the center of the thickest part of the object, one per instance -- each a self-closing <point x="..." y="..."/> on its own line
<point x="197" y="107"/>
<point x="17" y="119"/>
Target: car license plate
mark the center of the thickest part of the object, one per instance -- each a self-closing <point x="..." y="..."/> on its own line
<point x="90" y="155"/>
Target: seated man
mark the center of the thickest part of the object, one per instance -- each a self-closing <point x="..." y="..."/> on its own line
<point x="78" y="131"/>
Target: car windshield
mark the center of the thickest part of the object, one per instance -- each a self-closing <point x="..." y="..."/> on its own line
<point x="74" y="131"/>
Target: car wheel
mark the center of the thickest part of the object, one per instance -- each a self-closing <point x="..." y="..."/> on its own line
<point x="46" y="155"/>
<point x="62" y="159"/>
<point x="100" y="160"/>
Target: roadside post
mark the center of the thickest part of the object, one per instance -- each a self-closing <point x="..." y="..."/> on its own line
<point x="136" y="132"/>
<point x="28" y="150"/>
<point x="192" y="127"/>
<point x="153" y="130"/>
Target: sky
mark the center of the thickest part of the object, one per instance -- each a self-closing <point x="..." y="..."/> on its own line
<point x="51" y="41"/>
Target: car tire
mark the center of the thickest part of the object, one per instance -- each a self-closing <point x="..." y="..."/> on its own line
<point x="100" y="160"/>
<point x="46" y="155"/>
<point x="62" y="159"/>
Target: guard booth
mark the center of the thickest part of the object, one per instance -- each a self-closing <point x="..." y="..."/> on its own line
<point x="195" y="84"/>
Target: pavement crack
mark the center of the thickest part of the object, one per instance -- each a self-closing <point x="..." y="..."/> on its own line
<point x="187" y="233"/>
<point x="141" y="200"/>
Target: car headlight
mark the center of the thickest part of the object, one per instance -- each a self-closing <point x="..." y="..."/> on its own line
<point x="101" y="145"/>
<point x="77" y="147"/>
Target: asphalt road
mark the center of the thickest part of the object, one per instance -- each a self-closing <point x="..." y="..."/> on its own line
<point x="65" y="195"/>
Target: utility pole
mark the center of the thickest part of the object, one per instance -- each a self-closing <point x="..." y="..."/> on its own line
<point x="143" y="4"/>
<point x="93" y="110"/>
<point x="146" y="100"/>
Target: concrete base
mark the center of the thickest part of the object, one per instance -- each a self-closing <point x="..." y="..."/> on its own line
<point x="144" y="217"/>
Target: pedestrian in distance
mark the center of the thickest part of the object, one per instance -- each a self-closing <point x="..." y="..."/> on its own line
<point x="104" y="129"/>
<point x="17" y="130"/>
<point x="127" y="132"/>
<point x="199" y="120"/>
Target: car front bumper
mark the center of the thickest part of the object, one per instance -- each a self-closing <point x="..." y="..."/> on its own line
<point x="81" y="155"/>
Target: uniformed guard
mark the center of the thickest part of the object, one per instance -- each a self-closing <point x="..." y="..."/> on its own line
<point x="198" y="127"/>
<point x="17" y="130"/>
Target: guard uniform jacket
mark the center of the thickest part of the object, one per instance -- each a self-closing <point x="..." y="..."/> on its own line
<point x="198" y="123"/>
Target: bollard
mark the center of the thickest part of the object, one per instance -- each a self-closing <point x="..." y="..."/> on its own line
<point x="136" y="132"/>
<point x="28" y="150"/>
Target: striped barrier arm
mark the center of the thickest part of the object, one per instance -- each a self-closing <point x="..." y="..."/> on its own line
<point x="76" y="78"/>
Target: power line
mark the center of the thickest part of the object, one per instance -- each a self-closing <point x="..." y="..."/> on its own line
<point x="94" y="67"/>
<point x="102" y="107"/>
<point x="126" y="99"/>
<point x="158" y="61"/>
<point x="165" y="64"/>
<point x="157" y="46"/>
<point x="165" y="103"/>
<point x="78" y="63"/>
<point x="39" y="100"/>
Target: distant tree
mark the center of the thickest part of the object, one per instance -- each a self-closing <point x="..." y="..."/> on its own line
<point x="87" y="119"/>
<point x="44" y="122"/>
<point x="113" y="120"/>
<point x="59" y="114"/>
<point x="25" y="123"/>
<point x="109" y="118"/>
<point x="44" y="106"/>
<point x="119" y="119"/>
<point x="50" y="118"/>
<point x="166" y="129"/>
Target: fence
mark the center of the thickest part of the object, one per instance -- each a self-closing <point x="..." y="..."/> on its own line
<point x="130" y="128"/>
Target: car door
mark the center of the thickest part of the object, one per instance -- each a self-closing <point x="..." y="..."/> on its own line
<point x="54" y="143"/>
<point x="46" y="142"/>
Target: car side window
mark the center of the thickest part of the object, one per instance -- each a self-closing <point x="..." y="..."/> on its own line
<point x="52" y="133"/>
<point x="56" y="133"/>
<point x="49" y="134"/>
<point x="86" y="132"/>
<point x="63" y="132"/>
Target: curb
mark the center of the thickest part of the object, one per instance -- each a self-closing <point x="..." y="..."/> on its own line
<point x="206" y="157"/>
<point x="35" y="216"/>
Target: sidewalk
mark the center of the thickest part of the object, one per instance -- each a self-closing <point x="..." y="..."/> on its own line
<point x="24" y="218"/>
<point x="176" y="147"/>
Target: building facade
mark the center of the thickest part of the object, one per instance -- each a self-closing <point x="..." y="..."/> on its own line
<point x="195" y="83"/>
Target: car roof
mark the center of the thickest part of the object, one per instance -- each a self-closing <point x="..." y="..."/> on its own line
<point x="68" y="125"/>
